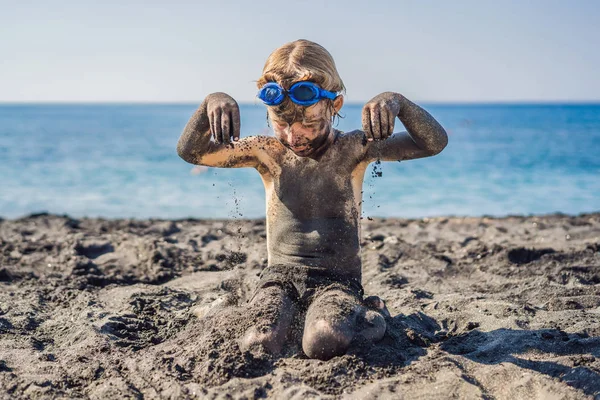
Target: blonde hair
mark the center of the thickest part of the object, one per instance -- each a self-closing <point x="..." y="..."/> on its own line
<point x="301" y="60"/>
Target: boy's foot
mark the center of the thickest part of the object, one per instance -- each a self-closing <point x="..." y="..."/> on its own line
<point x="335" y="318"/>
<point x="375" y="303"/>
<point x="272" y="311"/>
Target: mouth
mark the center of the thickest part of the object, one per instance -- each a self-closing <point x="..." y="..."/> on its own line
<point x="299" y="147"/>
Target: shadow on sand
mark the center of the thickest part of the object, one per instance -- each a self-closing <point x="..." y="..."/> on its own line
<point x="519" y="347"/>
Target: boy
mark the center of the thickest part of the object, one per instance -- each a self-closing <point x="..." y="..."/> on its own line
<point x="313" y="177"/>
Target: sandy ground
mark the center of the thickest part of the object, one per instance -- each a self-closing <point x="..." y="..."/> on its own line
<point x="481" y="308"/>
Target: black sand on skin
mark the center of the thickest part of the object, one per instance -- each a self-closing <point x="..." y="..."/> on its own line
<point x="482" y="308"/>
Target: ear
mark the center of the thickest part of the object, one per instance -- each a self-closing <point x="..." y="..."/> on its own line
<point x="338" y="102"/>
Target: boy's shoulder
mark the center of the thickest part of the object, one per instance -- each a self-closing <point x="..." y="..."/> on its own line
<point x="355" y="139"/>
<point x="351" y="145"/>
<point x="352" y="136"/>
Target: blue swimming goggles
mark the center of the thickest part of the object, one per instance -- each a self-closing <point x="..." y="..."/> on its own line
<point x="303" y="93"/>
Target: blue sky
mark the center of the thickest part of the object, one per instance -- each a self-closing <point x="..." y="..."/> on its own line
<point x="435" y="51"/>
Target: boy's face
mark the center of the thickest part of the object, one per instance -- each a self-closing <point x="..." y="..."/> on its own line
<point x="306" y="136"/>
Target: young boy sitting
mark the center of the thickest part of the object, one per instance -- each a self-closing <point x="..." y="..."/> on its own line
<point x="313" y="177"/>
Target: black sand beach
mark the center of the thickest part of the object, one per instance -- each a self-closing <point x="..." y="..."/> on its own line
<point x="505" y="308"/>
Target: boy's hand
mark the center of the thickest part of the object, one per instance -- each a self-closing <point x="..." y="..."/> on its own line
<point x="224" y="117"/>
<point x="379" y="115"/>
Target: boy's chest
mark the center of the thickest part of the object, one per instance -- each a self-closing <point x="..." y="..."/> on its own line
<point x="310" y="188"/>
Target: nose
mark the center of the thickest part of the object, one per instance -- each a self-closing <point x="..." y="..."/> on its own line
<point x="296" y="136"/>
<point x="297" y="129"/>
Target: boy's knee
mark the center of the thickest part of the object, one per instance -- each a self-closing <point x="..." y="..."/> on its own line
<point x="324" y="340"/>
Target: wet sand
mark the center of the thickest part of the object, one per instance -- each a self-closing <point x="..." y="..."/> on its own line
<point x="490" y="308"/>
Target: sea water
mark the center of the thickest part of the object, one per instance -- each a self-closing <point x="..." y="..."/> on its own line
<point x="120" y="160"/>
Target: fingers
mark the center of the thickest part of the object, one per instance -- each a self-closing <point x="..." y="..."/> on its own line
<point x="235" y="123"/>
<point x="224" y="118"/>
<point x="387" y="123"/>
<point x="226" y="127"/>
<point x="230" y="124"/>
<point x="215" y="125"/>
<point x="376" y="122"/>
<point x="366" y="123"/>
<point x="391" y="123"/>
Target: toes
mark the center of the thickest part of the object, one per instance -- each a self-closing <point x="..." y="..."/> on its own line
<point x="375" y="303"/>
<point x="269" y="340"/>
<point x="323" y="340"/>
<point x="374" y="326"/>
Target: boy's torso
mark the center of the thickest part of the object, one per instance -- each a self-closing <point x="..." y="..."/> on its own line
<point x="313" y="207"/>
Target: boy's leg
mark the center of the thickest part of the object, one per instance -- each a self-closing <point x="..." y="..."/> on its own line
<point x="273" y="310"/>
<point x="335" y="317"/>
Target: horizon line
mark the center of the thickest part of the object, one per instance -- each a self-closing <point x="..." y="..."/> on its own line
<point x="350" y="103"/>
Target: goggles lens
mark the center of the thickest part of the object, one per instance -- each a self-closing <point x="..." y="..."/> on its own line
<point x="271" y="94"/>
<point x="304" y="93"/>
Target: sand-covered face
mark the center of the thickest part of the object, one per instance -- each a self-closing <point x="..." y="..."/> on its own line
<point x="307" y="131"/>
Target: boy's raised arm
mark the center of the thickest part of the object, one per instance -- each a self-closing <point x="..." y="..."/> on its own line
<point x="218" y="117"/>
<point x="425" y="136"/>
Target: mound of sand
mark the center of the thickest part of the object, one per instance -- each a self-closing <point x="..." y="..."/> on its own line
<point x="481" y="308"/>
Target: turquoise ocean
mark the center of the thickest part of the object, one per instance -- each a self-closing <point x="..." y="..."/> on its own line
<point x="120" y="160"/>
